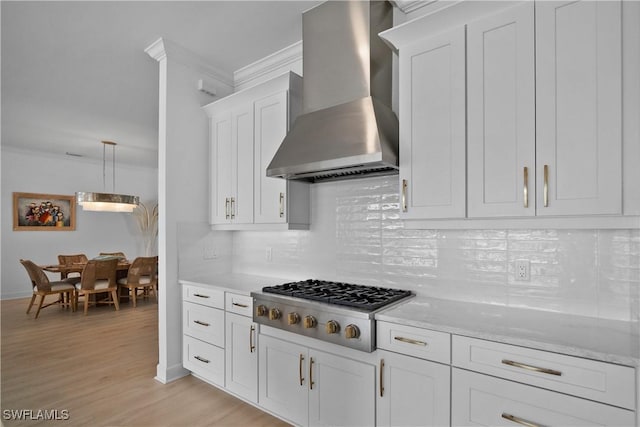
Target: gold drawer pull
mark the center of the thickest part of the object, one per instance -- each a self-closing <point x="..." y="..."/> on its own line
<point x="404" y="195"/>
<point x="525" y="187"/>
<point x="545" y="191"/>
<point x="519" y="420"/>
<point x="201" y="296"/>
<point x="410" y="341"/>
<point x="311" y="383"/>
<point x="381" y="376"/>
<point x="531" y="367"/>
<point x="201" y="323"/>
<point x="202" y="359"/>
<point x="252" y="347"/>
<point x="237" y="304"/>
<point x="300" y="368"/>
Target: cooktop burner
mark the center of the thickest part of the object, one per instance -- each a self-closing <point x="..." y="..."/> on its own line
<point x="339" y="293"/>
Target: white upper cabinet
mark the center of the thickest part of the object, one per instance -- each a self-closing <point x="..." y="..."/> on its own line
<point x="231" y="136"/>
<point x="246" y="129"/>
<point x="579" y="101"/>
<point x="221" y="169"/>
<point x="432" y="126"/>
<point x="270" y="129"/>
<point x="501" y="114"/>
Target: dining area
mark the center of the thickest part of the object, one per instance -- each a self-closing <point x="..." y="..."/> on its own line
<point x="106" y="279"/>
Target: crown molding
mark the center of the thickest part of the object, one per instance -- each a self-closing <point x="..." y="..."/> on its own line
<point x="277" y="60"/>
<point x="162" y="49"/>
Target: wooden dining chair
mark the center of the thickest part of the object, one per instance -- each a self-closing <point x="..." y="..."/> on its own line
<point x="41" y="286"/>
<point x="98" y="276"/>
<point x="143" y="276"/>
<point x="68" y="260"/>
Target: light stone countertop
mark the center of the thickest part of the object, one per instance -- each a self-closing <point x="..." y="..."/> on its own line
<point x="592" y="338"/>
<point x="242" y="284"/>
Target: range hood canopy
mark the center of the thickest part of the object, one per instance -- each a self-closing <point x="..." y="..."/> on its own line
<point x="347" y="128"/>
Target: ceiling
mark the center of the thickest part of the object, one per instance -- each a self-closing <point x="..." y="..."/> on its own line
<point x="75" y="72"/>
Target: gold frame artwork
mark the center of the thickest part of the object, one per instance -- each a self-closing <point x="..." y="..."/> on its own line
<point x="43" y="212"/>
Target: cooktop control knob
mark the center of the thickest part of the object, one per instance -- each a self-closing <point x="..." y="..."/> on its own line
<point x="332" y="327"/>
<point x="351" y="331"/>
<point x="274" y="314"/>
<point x="293" y="318"/>
<point x="261" y="310"/>
<point x="310" y="322"/>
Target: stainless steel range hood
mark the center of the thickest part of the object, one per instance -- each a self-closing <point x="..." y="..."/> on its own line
<point x="347" y="128"/>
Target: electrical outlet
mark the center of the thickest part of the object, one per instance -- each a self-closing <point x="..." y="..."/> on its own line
<point x="209" y="252"/>
<point x="268" y="256"/>
<point x="523" y="269"/>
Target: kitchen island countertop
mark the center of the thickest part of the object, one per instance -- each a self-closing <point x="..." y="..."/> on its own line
<point x="592" y="338"/>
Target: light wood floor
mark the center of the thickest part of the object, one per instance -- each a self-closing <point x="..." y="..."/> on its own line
<point x="100" y="369"/>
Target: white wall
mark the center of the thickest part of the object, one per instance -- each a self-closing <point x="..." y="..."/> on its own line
<point x="356" y="236"/>
<point x="33" y="172"/>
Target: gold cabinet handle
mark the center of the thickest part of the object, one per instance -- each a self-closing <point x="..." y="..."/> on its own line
<point x="201" y="296"/>
<point x="381" y="376"/>
<point x="201" y="323"/>
<point x="519" y="420"/>
<point x="300" y="368"/>
<point x="237" y="304"/>
<point x="525" y="187"/>
<point x="202" y="359"/>
<point x="311" y="373"/>
<point x="404" y="195"/>
<point x="410" y="341"/>
<point x="545" y="194"/>
<point x="226" y="208"/>
<point x="251" y="332"/>
<point x="281" y="205"/>
<point x="233" y="207"/>
<point x="531" y="367"/>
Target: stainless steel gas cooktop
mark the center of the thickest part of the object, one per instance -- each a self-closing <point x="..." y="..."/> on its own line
<point x="337" y="312"/>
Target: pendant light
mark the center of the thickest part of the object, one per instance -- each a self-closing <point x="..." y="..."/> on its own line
<point x="107" y="202"/>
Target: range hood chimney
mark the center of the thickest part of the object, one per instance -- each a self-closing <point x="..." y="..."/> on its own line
<point x="347" y="128"/>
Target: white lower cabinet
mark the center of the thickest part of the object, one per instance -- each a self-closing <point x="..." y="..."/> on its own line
<point x="203" y="333"/>
<point x="482" y="400"/>
<point x="412" y="392"/>
<point x="311" y="387"/>
<point x="241" y="355"/>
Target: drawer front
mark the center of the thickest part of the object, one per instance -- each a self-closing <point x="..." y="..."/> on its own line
<point x="203" y="359"/>
<point x="417" y="342"/>
<point x="600" y="381"/>
<point x="239" y="304"/>
<point x="205" y="296"/>
<point x="203" y="323"/>
<point x="481" y="400"/>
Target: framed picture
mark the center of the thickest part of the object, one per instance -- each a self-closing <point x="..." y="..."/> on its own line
<point x="43" y="212"/>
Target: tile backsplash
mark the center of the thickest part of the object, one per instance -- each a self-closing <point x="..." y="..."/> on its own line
<point x="357" y="236"/>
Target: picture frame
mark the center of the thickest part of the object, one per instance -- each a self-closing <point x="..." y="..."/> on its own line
<point x="43" y="212"/>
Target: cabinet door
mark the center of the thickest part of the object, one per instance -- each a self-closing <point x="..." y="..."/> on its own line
<point x="412" y="392"/>
<point x="283" y="379"/>
<point x="220" y="164"/>
<point x="578" y="107"/>
<point x="481" y="400"/>
<point x="242" y="165"/>
<point x="341" y="391"/>
<point x="501" y="114"/>
<point x="271" y="125"/>
<point x="432" y="127"/>
<point x="241" y="355"/>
